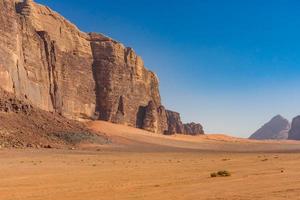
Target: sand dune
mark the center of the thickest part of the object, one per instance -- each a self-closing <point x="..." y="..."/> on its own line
<point x="142" y="166"/>
<point x="131" y="138"/>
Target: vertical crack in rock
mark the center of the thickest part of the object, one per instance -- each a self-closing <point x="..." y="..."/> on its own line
<point x="121" y="106"/>
<point x="120" y="114"/>
<point x="101" y="75"/>
<point x="49" y="49"/>
<point x="140" y="116"/>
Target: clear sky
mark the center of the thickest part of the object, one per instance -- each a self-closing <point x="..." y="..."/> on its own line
<point x="231" y="65"/>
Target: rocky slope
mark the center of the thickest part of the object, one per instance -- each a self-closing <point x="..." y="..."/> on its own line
<point x="22" y="125"/>
<point x="294" y="133"/>
<point x="277" y="128"/>
<point x="57" y="68"/>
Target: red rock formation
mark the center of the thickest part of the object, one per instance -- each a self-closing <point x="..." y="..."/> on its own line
<point x="49" y="62"/>
<point x="175" y="125"/>
<point x="124" y="85"/>
<point x="155" y="119"/>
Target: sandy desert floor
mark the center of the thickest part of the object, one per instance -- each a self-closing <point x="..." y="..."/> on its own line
<point x="145" y="167"/>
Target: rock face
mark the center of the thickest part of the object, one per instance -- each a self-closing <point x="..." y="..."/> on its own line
<point x="49" y="62"/>
<point x="46" y="60"/>
<point x="193" y="129"/>
<point x="124" y="87"/>
<point x="294" y="133"/>
<point x="175" y="125"/>
<point x="277" y="128"/>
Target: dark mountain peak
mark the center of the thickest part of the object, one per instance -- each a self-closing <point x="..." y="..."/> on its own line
<point x="276" y="128"/>
<point x="294" y="133"/>
<point x="278" y="117"/>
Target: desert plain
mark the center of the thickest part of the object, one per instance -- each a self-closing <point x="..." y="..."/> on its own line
<point x="140" y="165"/>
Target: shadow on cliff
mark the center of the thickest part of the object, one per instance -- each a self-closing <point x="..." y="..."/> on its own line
<point x="96" y="77"/>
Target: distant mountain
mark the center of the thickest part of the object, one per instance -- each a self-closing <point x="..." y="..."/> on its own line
<point x="294" y="133"/>
<point x="277" y="129"/>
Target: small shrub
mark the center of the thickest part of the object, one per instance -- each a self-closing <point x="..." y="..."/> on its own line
<point x="223" y="173"/>
<point x="220" y="174"/>
<point x="213" y="175"/>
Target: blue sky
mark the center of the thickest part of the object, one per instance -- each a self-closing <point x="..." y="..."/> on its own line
<point x="231" y="65"/>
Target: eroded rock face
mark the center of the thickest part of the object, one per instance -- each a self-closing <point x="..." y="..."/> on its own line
<point x="175" y="124"/>
<point x="294" y="133"/>
<point x="46" y="60"/>
<point x="150" y="122"/>
<point x="277" y="128"/>
<point x="155" y="119"/>
<point x="124" y="85"/>
<point x="49" y="62"/>
<point x="162" y="120"/>
<point x="193" y="129"/>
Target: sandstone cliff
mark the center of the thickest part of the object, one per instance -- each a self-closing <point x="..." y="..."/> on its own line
<point x="46" y="60"/>
<point x="277" y="128"/>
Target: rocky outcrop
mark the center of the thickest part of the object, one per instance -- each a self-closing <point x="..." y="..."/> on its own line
<point x="23" y="125"/>
<point x="277" y="128"/>
<point x="155" y="119"/>
<point x="150" y="122"/>
<point x="193" y="129"/>
<point x="49" y="62"/>
<point x="14" y="105"/>
<point x="175" y="125"/>
<point x="294" y="133"/>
